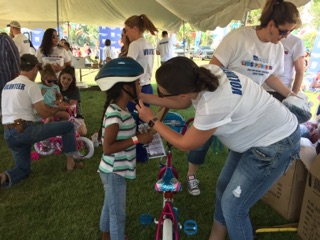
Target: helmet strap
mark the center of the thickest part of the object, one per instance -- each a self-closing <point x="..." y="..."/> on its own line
<point x="134" y="95"/>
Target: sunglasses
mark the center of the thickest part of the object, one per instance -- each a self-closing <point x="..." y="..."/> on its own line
<point x="51" y="80"/>
<point x="162" y="95"/>
<point x="283" y="32"/>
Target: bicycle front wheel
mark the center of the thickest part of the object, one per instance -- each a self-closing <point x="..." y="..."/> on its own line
<point x="44" y="147"/>
<point x="167" y="230"/>
<point x="85" y="148"/>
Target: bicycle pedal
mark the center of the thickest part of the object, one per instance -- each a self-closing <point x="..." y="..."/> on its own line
<point x="146" y="219"/>
<point x="190" y="227"/>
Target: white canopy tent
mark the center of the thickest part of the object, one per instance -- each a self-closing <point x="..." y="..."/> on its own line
<point x="165" y="14"/>
<point x="207" y="15"/>
<point x="51" y="13"/>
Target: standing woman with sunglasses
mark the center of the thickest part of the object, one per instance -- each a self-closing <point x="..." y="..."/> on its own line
<point x="51" y="52"/>
<point x="257" y="53"/>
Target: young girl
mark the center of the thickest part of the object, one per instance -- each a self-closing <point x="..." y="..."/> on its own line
<point x="71" y="95"/>
<point x="51" y="92"/>
<point x="119" y="78"/>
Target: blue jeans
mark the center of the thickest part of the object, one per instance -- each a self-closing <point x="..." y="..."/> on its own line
<point x="113" y="214"/>
<point x="21" y="144"/>
<point x="246" y="177"/>
<point x="198" y="155"/>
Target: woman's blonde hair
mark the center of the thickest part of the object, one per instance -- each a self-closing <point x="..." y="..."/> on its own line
<point x="142" y="22"/>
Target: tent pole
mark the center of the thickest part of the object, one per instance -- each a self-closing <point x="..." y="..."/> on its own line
<point x="246" y="18"/>
<point x="58" y="27"/>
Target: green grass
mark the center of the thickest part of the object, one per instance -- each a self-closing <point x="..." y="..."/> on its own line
<point x="54" y="204"/>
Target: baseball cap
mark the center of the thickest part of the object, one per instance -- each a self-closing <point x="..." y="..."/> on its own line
<point x="14" y="24"/>
<point x="29" y="59"/>
<point x="123" y="69"/>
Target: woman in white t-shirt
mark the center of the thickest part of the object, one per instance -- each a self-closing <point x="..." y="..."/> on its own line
<point x="143" y="52"/>
<point x="140" y="49"/>
<point x="50" y="51"/>
<point x="241" y="114"/>
<point x="257" y="53"/>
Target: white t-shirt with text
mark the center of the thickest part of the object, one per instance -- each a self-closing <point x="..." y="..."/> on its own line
<point x="243" y="112"/>
<point x="143" y="52"/>
<point x="18" y="97"/>
<point x="243" y="52"/>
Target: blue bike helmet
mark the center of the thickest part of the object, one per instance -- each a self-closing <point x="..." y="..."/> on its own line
<point x="122" y="69"/>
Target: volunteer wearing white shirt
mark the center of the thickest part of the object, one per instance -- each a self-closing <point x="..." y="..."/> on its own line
<point x="20" y="97"/>
<point x="241" y="114"/>
<point x="292" y="76"/>
<point x="165" y="47"/>
<point x="140" y="49"/>
<point x="143" y="52"/>
<point x="50" y="52"/>
<point x="21" y="41"/>
<point x="257" y="53"/>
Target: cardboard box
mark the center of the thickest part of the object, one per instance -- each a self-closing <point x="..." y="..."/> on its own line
<point x="309" y="224"/>
<point x="286" y="195"/>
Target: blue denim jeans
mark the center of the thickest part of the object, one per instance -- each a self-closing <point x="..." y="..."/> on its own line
<point x="198" y="155"/>
<point x="113" y="214"/>
<point x="246" y="177"/>
<point x="21" y="144"/>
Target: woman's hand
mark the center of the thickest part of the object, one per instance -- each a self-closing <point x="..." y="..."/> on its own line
<point x="145" y="113"/>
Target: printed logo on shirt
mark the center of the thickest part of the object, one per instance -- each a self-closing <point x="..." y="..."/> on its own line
<point x="234" y="81"/>
<point x="148" y="51"/>
<point x="166" y="42"/>
<point x="257" y="66"/>
<point x="19" y="86"/>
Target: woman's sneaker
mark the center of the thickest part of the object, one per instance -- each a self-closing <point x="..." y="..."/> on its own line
<point x="193" y="185"/>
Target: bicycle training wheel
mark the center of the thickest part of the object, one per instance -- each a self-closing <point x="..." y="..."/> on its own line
<point x="85" y="148"/>
<point x="167" y="229"/>
<point x="44" y="147"/>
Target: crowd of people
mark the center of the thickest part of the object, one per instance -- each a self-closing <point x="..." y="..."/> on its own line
<point x="226" y="94"/>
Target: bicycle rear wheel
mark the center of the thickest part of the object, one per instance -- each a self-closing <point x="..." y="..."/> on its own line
<point x="167" y="229"/>
<point x="85" y="148"/>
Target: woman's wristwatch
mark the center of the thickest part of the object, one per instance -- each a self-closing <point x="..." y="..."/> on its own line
<point x="152" y="122"/>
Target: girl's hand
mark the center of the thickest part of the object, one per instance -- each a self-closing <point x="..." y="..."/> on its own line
<point x="145" y="138"/>
<point x="145" y="113"/>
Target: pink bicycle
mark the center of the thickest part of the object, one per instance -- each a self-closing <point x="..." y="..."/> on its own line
<point x="53" y="145"/>
<point x="168" y="225"/>
<point x="85" y="148"/>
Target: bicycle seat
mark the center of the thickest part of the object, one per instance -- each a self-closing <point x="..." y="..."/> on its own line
<point x="168" y="183"/>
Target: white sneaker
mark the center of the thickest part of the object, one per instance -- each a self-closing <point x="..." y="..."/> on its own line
<point x="193" y="185"/>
